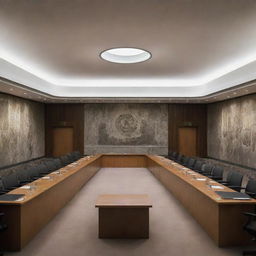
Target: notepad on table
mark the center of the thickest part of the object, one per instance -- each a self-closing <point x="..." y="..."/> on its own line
<point x="201" y="179"/>
<point x="233" y="195"/>
<point x="216" y="187"/>
<point x="46" y="178"/>
<point x="11" y="197"/>
<point x="26" y="187"/>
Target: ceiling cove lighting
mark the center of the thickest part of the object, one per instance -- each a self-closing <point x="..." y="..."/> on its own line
<point x="125" y="55"/>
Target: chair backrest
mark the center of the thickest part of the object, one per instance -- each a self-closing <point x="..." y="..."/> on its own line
<point x="207" y="168"/>
<point x="251" y="188"/>
<point x="217" y="172"/>
<point x="10" y="180"/>
<point x="185" y="160"/>
<point x="64" y="160"/>
<point x="78" y="155"/>
<point x="50" y="165"/>
<point x="191" y="163"/>
<point x="174" y="155"/>
<point x="36" y="170"/>
<point x="179" y="158"/>
<point x="236" y="179"/>
<point x="229" y="176"/>
<point x="24" y="175"/>
<point x="57" y="163"/>
<point x="198" y="165"/>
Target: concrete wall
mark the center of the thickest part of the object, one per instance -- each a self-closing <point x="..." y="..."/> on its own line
<point x="232" y="130"/>
<point x="126" y="128"/>
<point x="21" y="130"/>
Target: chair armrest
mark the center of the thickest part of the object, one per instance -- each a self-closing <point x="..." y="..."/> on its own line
<point x="249" y="214"/>
<point x="233" y="186"/>
<point x="25" y="182"/>
<point x="251" y="194"/>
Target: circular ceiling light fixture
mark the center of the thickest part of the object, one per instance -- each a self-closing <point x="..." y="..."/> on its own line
<point x="125" y="55"/>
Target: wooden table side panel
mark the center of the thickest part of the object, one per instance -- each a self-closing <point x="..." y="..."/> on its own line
<point x="123" y="223"/>
<point x="123" y="161"/>
<point x="10" y="238"/>
<point x="231" y="224"/>
<point x="36" y="213"/>
<point x="203" y="209"/>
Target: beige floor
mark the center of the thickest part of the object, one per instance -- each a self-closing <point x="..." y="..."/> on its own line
<point x="173" y="231"/>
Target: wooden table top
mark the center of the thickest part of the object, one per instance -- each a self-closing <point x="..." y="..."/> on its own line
<point x="198" y="181"/>
<point x="41" y="185"/>
<point x="123" y="200"/>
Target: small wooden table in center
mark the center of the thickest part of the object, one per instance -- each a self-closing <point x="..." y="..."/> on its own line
<point x="123" y="216"/>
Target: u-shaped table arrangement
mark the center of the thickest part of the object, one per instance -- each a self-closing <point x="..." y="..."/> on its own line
<point x="222" y="219"/>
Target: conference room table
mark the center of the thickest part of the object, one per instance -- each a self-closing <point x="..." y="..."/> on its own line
<point x="221" y="219"/>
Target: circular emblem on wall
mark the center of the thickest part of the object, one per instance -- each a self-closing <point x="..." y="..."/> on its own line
<point x="126" y="124"/>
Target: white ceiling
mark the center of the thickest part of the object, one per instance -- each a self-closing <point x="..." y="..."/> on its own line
<point x="198" y="47"/>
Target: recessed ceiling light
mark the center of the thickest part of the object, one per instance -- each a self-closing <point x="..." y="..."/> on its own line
<point x="24" y="93"/>
<point x="125" y="55"/>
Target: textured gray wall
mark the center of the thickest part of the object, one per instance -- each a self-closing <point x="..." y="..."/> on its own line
<point x="126" y="128"/>
<point x="21" y="130"/>
<point x="232" y="130"/>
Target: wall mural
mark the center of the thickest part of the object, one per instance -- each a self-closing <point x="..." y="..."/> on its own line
<point x="133" y="128"/>
<point x="232" y="130"/>
<point x="21" y="130"/>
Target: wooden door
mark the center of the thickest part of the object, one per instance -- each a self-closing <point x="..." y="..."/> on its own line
<point x="187" y="141"/>
<point x="62" y="141"/>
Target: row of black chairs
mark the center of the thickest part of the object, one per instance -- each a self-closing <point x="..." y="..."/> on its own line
<point x="233" y="179"/>
<point x="29" y="174"/>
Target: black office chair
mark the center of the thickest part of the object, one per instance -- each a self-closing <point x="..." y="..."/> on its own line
<point x="250" y="227"/>
<point x="185" y="160"/>
<point x="25" y="176"/>
<point x="3" y="227"/>
<point x="57" y="163"/>
<point x="191" y="162"/>
<point x="217" y="173"/>
<point x="179" y="158"/>
<point x="250" y="188"/>
<point x="173" y="155"/>
<point x="65" y="160"/>
<point x="198" y="165"/>
<point x="39" y="171"/>
<point x="77" y="155"/>
<point x="206" y="169"/>
<point x="234" y="180"/>
<point x="51" y="166"/>
<point x="10" y="182"/>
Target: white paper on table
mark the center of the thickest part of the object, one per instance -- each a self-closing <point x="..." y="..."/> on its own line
<point x="26" y="187"/>
<point x="201" y="179"/>
<point x="216" y="186"/>
<point x="46" y="178"/>
<point x="20" y="199"/>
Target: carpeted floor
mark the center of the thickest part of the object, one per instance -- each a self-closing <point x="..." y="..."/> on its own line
<point x="173" y="231"/>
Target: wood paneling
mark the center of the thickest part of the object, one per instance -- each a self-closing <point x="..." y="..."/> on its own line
<point x="188" y="115"/>
<point x="64" y="115"/>
<point x="63" y="141"/>
<point x="123" y="161"/>
<point x="188" y="141"/>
